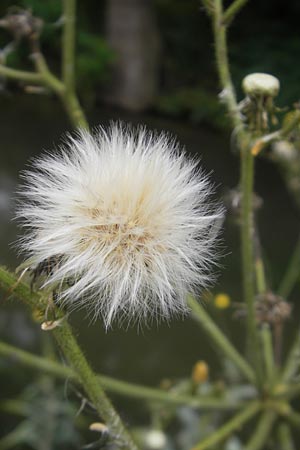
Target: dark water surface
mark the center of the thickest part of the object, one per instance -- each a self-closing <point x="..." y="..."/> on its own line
<point x="29" y="125"/>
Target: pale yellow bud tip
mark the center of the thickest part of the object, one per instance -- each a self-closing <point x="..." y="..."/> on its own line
<point x="98" y="426"/>
<point x="222" y="301"/>
<point x="200" y="372"/>
<point x="261" y="84"/>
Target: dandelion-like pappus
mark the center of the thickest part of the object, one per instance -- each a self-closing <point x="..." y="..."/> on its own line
<point x="128" y="216"/>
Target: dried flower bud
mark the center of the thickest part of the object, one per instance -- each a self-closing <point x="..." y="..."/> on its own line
<point x="22" y="24"/>
<point x="261" y="84"/>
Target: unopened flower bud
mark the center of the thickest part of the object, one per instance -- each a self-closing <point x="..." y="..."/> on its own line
<point x="261" y="84"/>
<point x="222" y="301"/>
<point x="155" y="440"/>
<point x="200" y="372"/>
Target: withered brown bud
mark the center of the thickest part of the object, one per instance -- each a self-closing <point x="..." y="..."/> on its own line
<point x="22" y="24"/>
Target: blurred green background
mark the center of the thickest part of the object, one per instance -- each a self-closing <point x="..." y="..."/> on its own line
<point x="149" y="62"/>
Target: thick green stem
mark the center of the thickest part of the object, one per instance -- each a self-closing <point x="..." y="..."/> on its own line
<point x="218" y="338"/>
<point x="226" y="430"/>
<point x="91" y="385"/>
<point x="63" y="334"/>
<point x="68" y="45"/>
<point x="292" y="274"/>
<point x="261" y="433"/>
<point x="116" y="386"/>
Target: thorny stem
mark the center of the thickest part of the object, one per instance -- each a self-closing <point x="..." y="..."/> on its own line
<point x="232" y="425"/>
<point x="261" y="433"/>
<point x="247" y="178"/>
<point x="74" y="355"/>
<point x="117" y="386"/>
<point x="223" y="344"/>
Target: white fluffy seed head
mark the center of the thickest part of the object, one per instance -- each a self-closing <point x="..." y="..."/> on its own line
<point x="128" y="219"/>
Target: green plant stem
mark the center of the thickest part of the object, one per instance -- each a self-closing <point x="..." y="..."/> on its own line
<point x="63" y="334"/>
<point x="285" y="437"/>
<point x="293" y="418"/>
<point x="292" y="274"/>
<point x="11" y="284"/>
<point x="221" y="341"/>
<point x="90" y="382"/>
<point x="278" y="135"/>
<point x="262" y="432"/>
<point x="20" y="75"/>
<point x="247" y="171"/>
<point x="65" y="88"/>
<point x="233" y="10"/>
<point x="67" y="96"/>
<point x="229" y="96"/>
<point x="116" y="386"/>
<point x="68" y="45"/>
<point x="291" y="391"/>
<point x="268" y="353"/>
<point x="226" y="430"/>
<point x="260" y="276"/>
<point x="247" y="229"/>
<point x="292" y="363"/>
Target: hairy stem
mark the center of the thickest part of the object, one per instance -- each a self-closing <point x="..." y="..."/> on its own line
<point x="116" y="386"/>
<point x="91" y="385"/>
<point x="223" y="344"/>
<point x="226" y="430"/>
<point x="63" y="334"/>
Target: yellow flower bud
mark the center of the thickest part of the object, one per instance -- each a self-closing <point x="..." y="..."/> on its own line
<point x="222" y="301"/>
<point x="200" y="372"/>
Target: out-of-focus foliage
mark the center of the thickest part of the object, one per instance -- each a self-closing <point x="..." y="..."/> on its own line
<point x="93" y="55"/>
<point x="48" y="419"/>
<point x="265" y="39"/>
<point x="196" y="104"/>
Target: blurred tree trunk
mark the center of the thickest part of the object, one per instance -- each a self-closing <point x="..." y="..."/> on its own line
<point x="132" y="33"/>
